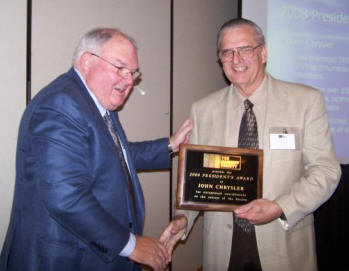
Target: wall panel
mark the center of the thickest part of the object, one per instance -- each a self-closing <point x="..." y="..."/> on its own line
<point x="13" y="18"/>
<point x="196" y="73"/>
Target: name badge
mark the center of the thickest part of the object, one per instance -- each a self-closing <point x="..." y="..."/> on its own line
<point x="282" y="142"/>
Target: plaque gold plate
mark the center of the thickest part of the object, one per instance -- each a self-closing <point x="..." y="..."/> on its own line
<point x="215" y="178"/>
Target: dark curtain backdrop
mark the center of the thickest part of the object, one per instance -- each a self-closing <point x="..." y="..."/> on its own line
<point x="332" y="228"/>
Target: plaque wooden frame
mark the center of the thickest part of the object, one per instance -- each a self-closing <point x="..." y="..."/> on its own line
<point x="201" y="187"/>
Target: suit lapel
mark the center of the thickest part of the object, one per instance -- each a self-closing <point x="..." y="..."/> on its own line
<point x="137" y="189"/>
<point x="219" y="127"/>
<point x="90" y="104"/>
<point x="276" y="104"/>
<point x="100" y="126"/>
<point x="222" y="114"/>
<point x="276" y="114"/>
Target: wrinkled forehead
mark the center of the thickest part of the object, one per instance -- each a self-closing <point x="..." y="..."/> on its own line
<point x="244" y="34"/>
<point x="121" y="51"/>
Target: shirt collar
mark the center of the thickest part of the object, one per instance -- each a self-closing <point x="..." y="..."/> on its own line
<point x="101" y="109"/>
<point x="257" y="97"/>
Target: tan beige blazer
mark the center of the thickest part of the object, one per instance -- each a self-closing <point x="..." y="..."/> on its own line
<point x="299" y="180"/>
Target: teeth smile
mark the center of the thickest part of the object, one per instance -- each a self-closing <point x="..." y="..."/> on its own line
<point x="240" y="69"/>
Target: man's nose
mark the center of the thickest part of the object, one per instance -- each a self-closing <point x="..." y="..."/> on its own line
<point x="236" y="58"/>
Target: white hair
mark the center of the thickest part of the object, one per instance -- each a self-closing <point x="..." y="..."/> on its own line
<point x="93" y="40"/>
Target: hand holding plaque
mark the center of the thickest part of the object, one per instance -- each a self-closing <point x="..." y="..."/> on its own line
<point x="218" y="178"/>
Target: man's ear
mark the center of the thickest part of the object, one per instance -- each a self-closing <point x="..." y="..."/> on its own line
<point x="264" y="53"/>
<point x="85" y="62"/>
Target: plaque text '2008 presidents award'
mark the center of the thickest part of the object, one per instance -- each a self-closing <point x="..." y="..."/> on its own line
<point x="218" y="178"/>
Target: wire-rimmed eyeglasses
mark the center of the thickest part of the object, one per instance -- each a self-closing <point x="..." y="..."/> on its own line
<point x="244" y="52"/>
<point x="122" y="71"/>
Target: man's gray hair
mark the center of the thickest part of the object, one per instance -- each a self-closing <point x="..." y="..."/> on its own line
<point x="93" y="40"/>
<point x="238" y="22"/>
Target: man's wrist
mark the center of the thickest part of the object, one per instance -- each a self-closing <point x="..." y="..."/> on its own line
<point x="283" y="217"/>
<point x="170" y="148"/>
<point x="129" y="247"/>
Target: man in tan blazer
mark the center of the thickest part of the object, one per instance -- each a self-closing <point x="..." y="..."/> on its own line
<point x="299" y="174"/>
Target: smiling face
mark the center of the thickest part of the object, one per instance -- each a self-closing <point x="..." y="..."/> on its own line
<point x="245" y="73"/>
<point x="110" y="89"/>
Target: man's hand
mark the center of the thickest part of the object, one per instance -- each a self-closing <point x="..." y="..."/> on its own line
<point x="259" y="211"/>
<point x="150" y="252"/>
<point x="182" y="135"/>
<point x="173" y="233"/>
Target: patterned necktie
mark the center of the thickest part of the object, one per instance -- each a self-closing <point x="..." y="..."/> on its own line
<point x="244" y="253"/>
<point x="248" y="134"/>
<point x="117" y="144"/>
<point x="248" y="138"/>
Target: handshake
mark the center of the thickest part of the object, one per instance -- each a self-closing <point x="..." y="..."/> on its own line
<point x="158" y="253"/>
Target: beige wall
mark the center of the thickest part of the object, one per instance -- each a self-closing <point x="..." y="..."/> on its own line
<point x="12" y="97"/>
<point x="56" y="28"/>
<point x="196" y="73"/>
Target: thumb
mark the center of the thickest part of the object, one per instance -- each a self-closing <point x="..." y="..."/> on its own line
<point x="243" y="209"/>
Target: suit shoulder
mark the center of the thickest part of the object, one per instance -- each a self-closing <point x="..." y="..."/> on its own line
<point x="295" y="88"/>
<point x="61" y="86"/>
<point x="64" y="97"/>
<point x="295" y="92"/>
<point x="212" y="99"/>
<point x="64" y="94"/>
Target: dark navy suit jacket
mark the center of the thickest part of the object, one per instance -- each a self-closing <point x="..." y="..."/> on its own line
<point x="72" y="208"/>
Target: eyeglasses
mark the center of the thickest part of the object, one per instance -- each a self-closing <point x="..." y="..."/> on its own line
<point x="122" y="71"/>
<point x="244" y="52"/>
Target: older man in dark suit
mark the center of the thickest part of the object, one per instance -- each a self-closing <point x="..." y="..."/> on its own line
<point x="78" y="204"/>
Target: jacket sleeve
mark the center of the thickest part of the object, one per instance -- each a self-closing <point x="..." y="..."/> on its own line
<point x="150" y="155"/>
<point x="321" y="169"/>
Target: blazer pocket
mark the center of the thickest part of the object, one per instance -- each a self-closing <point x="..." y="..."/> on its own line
<point x="55" y="255"/>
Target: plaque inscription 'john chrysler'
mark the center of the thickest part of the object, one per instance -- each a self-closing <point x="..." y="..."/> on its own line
<point x="218" y="178"/>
